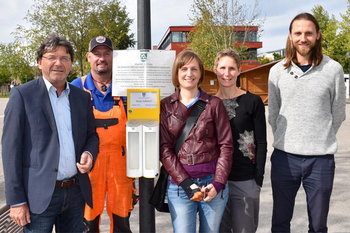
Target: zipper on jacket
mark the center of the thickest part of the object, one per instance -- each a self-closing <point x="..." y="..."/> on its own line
<point x="194" y="137"/>
<point x="171" y="114"/>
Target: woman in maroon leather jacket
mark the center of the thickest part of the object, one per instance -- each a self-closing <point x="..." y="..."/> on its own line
<point x="204" y="160"/>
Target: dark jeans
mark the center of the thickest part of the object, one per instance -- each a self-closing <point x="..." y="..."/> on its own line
<point x="288" y="171"/>
<point x="65" y="211"/>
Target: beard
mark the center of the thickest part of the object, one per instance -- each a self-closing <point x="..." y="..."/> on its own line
<point x="103" y="70"/>
<point x="305" y="51"/>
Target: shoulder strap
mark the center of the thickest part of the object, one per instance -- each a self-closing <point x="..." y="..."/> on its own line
<point x="192" y="119"/>
<point x="83" y="78"/>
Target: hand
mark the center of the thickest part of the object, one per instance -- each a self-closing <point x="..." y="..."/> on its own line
<point x="210" y="192"/>
<point x="20" y="215"/>
<point x="85" y="163"/>
<point x="197" y="196"/>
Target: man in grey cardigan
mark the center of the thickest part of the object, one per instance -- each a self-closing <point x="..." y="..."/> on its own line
<point x="306" y="108"/>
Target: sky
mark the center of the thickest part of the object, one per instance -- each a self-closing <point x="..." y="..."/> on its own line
<point x="165" y="13"/>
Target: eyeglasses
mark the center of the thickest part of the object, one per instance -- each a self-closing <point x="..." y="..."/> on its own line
<point x="54" y="59"/>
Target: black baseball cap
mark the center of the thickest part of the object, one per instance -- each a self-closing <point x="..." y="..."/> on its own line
<point x="100" y="40"/>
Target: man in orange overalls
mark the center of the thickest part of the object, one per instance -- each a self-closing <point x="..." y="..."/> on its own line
<point x="109" y="172"/>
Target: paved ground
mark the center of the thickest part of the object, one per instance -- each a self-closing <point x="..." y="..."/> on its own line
<point x="3" y="102"/>
<point x="339" y="215"/>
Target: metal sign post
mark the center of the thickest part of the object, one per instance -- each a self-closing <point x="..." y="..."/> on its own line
<point x="147" y="213"/>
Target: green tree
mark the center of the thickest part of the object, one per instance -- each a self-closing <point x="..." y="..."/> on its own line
<point x="277" y="56"/>
<point x="344" y="39"/>
<point x="22" y="66"/>
<point x="334" y="34"/>
<point x="219" y="24"/>
<point x="5" y="72"/>
<point x="263" y="60"/>
<point x="328" y="27"/>
<point x="14" y="64"/>
<point x="79" y="21"/>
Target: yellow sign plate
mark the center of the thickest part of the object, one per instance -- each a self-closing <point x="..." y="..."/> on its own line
<point x="143" y="103"/>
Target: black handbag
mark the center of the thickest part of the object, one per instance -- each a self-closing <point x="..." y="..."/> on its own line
<point x="158" y="197"/>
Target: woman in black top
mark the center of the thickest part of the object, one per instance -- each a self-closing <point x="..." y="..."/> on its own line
<point x="247" y="118"/>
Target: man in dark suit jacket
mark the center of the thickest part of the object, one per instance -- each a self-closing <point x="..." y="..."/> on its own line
<point x="49" y="145"/>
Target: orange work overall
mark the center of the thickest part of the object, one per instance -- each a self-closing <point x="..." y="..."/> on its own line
<point x="109" y="172"/>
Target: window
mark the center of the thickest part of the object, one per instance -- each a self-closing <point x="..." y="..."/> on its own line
<point x="166" y="43"/>
<point x="173" y="37"/>
<point x="251" y="36"/>
<point x="250" y="54"/>
<point x="179" y="36"/>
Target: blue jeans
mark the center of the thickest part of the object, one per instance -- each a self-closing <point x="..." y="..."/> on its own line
<point x="288" y="171"/>
<point x="65" y="211"/>
<point x="183" y="211"/>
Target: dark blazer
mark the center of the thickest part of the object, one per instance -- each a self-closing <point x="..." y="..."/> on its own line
<point x="30" y="144"/>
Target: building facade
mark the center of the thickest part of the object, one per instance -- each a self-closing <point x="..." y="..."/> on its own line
<point x="175" y="38"/>
<point x="253" y="77"/>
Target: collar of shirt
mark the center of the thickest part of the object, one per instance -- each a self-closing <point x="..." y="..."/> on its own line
<point x="101" y="102"/>
<point x="195" y="100"/>
<point x="49" y="87"/>
<point x="89" y="84"/>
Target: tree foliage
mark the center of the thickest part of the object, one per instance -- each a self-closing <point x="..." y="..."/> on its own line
<point x="13" y="64"/>
<point x="277" y="56"/>
<point x="335" y="34"/>
<point x="263" y="60"/>
<point x="78" y="21"/>
<point x="5" y="72"/>
<point x="344" y="38"/>
<point x="216" y="27"/>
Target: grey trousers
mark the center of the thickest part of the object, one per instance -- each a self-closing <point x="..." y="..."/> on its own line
<point x="242" y="209"/>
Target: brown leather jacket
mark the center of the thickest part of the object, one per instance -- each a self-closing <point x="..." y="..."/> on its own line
<point x="209" y="139"/>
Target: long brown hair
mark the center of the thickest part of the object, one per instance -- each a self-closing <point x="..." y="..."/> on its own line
<point x="316" y="55"/>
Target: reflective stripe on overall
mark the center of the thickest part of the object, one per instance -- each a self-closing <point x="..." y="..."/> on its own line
<point x="109" y="172"/>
